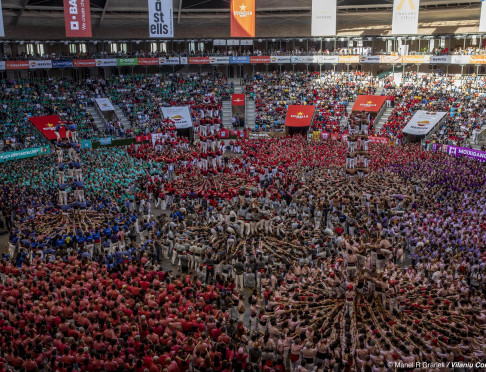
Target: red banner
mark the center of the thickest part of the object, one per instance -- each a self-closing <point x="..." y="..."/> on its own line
<point x="334" y="136"/>
<point x="299" y="115"/>
<point x="84" y="63"/>
<point x="242" y="18"/>
<point x="148" y="61"/>
<point x="260" y="59"/>
<point x="224" y="133"/>
<point x="234" y="133"/>
<point x="146" y="137"/>
<point x="199" y="60"/>
<point x="324" y="135"/>
<point x="77" y="18"/>
<point x="138" y="138"/>
<point x="47" y="126"/>
<point x="17" y="65"/>
<point x="369" y="103"/>
<point x="238" y="99"/>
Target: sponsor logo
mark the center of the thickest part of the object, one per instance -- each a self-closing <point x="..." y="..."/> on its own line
<point x="300" y="115"/>
<point x="410" y="4"/>
<point x="242" y="12"/>
<point x="176" y="118"/>
<point x="368" y="104"/>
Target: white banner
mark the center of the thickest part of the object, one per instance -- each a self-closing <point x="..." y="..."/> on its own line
<point x="3" y="65"/>
<point x="161" y="19"/>
<point x="40" y="64"/>
<point x="405" y="16"/>
<point x="179" y="115"/>
<point x="104" y="104"/>
<point x="441" y="59"/>
<point x="460" y="60"/>
<point x="302" y="59"/>
<point x="2" y="31"/>
<point x="219" y="60"/>
<point x="423" y="122"/>
<point x="184" y="61"/>
<point x="156" y="137"/>
<point x="326" y="59"/>
<point x="169" y="60"/>
<point x="482" y="20"/>
<point x="219" y="42"/>
<point x="370" y="59"/>
<point x="232" y="42"/>
<point x="246" y="42"/>
<point x="109" y="62"/>
<point x="280" y="59"/>
<point x="323" y="17"/>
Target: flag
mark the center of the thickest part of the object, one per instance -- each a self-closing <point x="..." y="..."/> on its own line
<point x="77" y="18"/>
<point x="242" y="18"/>
<point x="405" y="16"/>
<point x="47" y="126"/>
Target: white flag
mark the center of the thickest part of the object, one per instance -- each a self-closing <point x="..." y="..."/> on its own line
<point x="2" y="31"/>
<point x="405" y="16"/>
<point x="323" y="17"/>
<point x="482" y="20"/>
<point x="161" y="18"/>
<point x="423" y="122"/>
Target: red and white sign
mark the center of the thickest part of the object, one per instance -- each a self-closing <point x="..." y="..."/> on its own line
<point x="299" y="115"/>
<point x="84" y="63"/>
<point x="238" y="99"/>
<point x="47" y="126"/>
<point x="369" y="103"/>
<point x="18" y="65"/>
<point x="224" y="133"/>
<point x="199" y="60"/>
<point x="77" y="18"/>
<point x="260" y="59"/>
<point x="148" y="61"/>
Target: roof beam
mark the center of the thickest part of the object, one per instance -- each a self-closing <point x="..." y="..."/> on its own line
<point x="21" y="11"/>
<point x="104" y="12"/>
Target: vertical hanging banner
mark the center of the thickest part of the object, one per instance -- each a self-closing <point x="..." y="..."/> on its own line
<point x="77" y="18"/>
<point x="324" y="17"/>
<point x="2" y="31"/>
<point x="242" y="18"/>
<point x="482" y="20"/>
<point x="161" y="18"/>
<point x="405" y="16"/>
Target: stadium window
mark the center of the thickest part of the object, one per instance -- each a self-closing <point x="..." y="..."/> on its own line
<point x="73" y="49"/>
<point x="40" y="49"/>
<point x="82" y="48"/>
<point x="123" y="47"/>
<point x="113" y="47"/>
<point x="153" y="48"/>
<point x="29" y="48"/>
<point x="163" y="47"/>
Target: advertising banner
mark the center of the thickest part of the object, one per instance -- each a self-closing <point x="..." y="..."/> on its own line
<point x="441" y="59"/>
<point x="237" y="99"/>
<point x="2" y="30"/>
<point x="84" y="63"/>
<point x="405" y="16"/>
<point x="105" y="141"/>
<point x="40" y="64"/>
<point x="108" y="62"/>
<point x="104" y="104"/>
<point x="22" y="154"/>
<point x="334" y="136"/>
<point x="423" y="122"/>
<point x="239" y="59"/>
<point x="246" y="42"/>
<point x="468" y="153"/>
<point x="482" y="20"/>
<point x="156" y="137"/>
<point x="180" y="115"/>
<point x="242" y="18"/>
<point x="161" y="19"/>
<point x="219" y="60"/>
<point x="280" y="59"/>
<point x="3" y="65"/>
<point x="224" y="133"/>
<point x="348" y="59"/>
<point x="323" y="18"/>
<point x="260" y="59"/>
<point x="326" y="59"/>
<point x="18" y="65"/>
<point x="369" y="103"/>
<point x="302" y="59"/>
<point x="127" y="61"/>
<point x="299" y="115"/>
<point x="171" y="60"/>
<point x="460" y="60"/>
<point x="148" y="61"/>
<point x="232" y="42"/>
<point x="183" y="61"/>
<point x="391" y="59"/>
<point x="86" y="144"/>
<point x="199" y="60"/>
<point x="370" y="59"/>
<point x="77" y="18"/>
<point x="418" y="59"/>
<point x="477" y="60"/>
<point x="47" y="126"/>
<point x="68" y="63"/>
<point x="219" y="42"/>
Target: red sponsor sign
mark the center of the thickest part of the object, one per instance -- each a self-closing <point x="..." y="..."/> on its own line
<point x="17" y="65"/>
<point x="138" y="138"/>
<point x="369" y="103"/>
<point x="47" y="126"/>
<point x="334" y="136"/>
<point x="324" y="135"/>
<point x="77" y="18"/>
<point x="234" y="133"/>
<point x="382" y="140"/>
<point x="260" y="59"/>
<point x="199" y="60"/>
<point x="224" y="133"/>
<point x="146" y="137"/>
<point x="238" y="99"/>
<point x="84" y="63"/>
<point x="148" y="61"/>
<point x="299" y="115"/>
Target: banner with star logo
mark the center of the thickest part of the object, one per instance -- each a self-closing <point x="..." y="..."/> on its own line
<point x="238" y="99"/>
<point x="47" y="126"/>
<point x="299" y="115"/>
<point x="405" y="17"/>
<point x="371" y="104"/>
<point x="242" y="18"/>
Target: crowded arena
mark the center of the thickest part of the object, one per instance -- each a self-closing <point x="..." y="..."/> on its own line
<point x="243" y="186"/>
